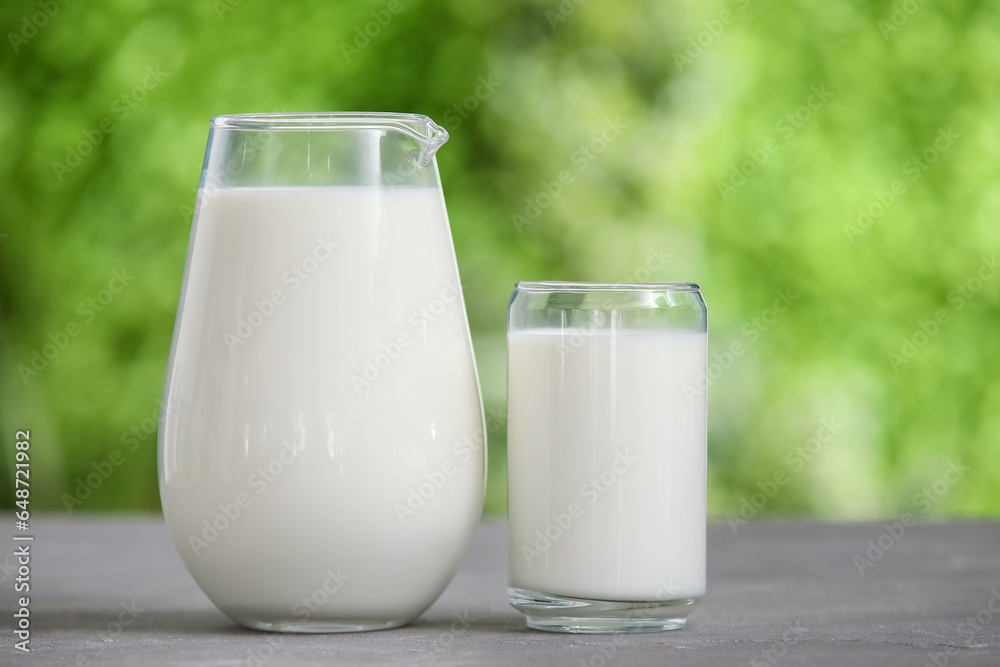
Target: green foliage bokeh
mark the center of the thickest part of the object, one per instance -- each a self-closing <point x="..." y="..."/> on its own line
<point x="768" y="149"/>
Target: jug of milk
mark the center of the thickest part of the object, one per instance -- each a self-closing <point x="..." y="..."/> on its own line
<point x="322" y="466"/>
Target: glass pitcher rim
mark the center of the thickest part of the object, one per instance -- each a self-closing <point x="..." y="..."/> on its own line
<point x="419" y="126"/>
<point x="558" y="286"/>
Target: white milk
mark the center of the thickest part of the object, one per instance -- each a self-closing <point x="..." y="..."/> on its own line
<point x="325" y="461"/>
<point x="606" y="464"/>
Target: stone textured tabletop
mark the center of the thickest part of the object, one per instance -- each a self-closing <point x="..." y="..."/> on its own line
<point x="112" y="591"/>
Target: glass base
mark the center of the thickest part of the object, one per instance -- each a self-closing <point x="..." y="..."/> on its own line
<point x="555" y="613"/>
<point x="320" y="626"/>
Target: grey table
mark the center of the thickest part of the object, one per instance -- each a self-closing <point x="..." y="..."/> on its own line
<point x="112" y="591"/>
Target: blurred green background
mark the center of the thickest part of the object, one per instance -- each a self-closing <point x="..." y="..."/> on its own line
<point x="842" y="158"/>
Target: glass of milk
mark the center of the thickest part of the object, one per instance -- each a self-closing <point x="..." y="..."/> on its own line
<point x="606" y="452"/>
<point x="322" y="457"/>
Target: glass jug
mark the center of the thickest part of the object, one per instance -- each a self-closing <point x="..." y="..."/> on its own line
<point x="323" y="467"/>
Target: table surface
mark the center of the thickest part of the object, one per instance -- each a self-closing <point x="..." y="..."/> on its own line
<point x="780" y="593"/>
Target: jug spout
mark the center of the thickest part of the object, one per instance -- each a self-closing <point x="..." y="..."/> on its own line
<point x="432" y="138"/>
<point x="406" y="143"/>
<point x="406" y="146"/>
<point x="429" y="135"/>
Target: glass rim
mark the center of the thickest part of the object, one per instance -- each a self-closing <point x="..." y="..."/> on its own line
<point x="323" y="120"/>
<point x="576" y="287"/>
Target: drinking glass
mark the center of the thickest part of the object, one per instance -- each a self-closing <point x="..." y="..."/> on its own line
<point x="606" y="453"/>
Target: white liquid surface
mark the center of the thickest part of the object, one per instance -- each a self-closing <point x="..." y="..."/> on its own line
<point x="341" y="472"/>
<point x="606" y="464"/>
